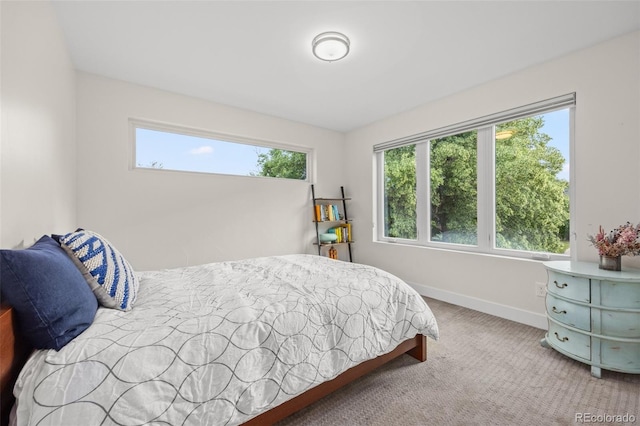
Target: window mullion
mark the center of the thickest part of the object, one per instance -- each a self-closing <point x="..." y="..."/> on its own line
<point x="423" y="203"/>
<point x="486" y="184"/>
<point x="379" y="199"/>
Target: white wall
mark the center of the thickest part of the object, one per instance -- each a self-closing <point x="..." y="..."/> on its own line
<point x="606" y="166"/>
<point x="38" y="147"/>
<point x="161" y="219"/>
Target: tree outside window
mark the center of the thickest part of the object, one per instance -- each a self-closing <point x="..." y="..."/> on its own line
<point x="528" y="198"/>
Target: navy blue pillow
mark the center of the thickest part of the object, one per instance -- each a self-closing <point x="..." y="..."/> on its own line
<point x="52" y="301"/>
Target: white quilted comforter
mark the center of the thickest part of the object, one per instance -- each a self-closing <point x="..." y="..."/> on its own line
<point x="218" y="344"/>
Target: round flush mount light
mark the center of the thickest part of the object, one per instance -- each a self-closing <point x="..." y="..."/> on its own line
<point x="330" y="46"/>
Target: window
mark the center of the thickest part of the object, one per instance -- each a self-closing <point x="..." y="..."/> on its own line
<point x="179" y="149"/>
<point x="453" y="184"/>
<point x="499" y="184"/>
<point x="400" y="193"/>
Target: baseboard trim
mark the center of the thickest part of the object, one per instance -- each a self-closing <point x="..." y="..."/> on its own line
<point x="491" y="308"/>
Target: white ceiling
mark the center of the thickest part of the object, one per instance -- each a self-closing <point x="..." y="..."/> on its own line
<point x="257" y="54"/>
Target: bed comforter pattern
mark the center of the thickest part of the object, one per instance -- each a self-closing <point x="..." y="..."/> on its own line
<point x="218" y="344"/>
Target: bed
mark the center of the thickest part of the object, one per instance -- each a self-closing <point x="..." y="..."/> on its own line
<point x="238" y="342"/>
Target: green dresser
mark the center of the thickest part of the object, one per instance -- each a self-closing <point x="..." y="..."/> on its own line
<point x="594" y="315"/>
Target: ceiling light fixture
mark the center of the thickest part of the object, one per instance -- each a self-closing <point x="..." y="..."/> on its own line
<point x="330" y="46"/>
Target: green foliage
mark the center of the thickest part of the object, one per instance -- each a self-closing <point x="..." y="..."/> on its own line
<point x="532" y="203"/>
<point x="283" y="164"/>
<point x="454" y="188"/>
<point x="400" y="192"/>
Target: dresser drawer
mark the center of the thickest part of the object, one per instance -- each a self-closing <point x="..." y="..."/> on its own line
<point x="569" y="341"/>
<point x="619" y="324"/>
<point x="620" y="294"/>
<point x="568" y="286"/>
<point x="577" y="316"/>
<point x="620" y="355"/>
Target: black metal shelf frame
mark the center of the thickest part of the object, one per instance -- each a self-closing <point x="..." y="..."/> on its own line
<point x="344" y="200"/>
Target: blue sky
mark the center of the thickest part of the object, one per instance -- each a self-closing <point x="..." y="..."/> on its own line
<point x="191" y="153"/>
<point x="556" y="125"/>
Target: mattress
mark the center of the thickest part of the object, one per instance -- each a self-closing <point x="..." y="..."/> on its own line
<point x="220" y="343"/>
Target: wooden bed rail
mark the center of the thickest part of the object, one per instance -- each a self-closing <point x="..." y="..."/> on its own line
<point x="416" y="347"/>
<point x="13" y="354"/>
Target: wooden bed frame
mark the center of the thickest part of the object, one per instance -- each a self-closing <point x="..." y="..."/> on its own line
<point x="14" y="353"/>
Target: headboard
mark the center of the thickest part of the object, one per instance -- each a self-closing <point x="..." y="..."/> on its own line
<point x="13" y="354"/>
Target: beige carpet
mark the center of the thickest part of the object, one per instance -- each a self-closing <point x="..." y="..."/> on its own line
<point x="484" y="370"/>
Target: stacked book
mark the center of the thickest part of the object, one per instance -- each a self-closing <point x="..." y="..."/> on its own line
<point x="327" y="212"/>
<point x="343" y="232"/>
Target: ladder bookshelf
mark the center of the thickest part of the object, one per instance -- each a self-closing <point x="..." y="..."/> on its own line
<point x="330" y="216"/>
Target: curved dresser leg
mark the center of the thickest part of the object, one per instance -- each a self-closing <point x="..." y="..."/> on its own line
<point x="544" y="343"/>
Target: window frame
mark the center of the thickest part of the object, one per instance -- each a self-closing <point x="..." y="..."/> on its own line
<point x="486" y="191"/>
<point x="135" y="124"/>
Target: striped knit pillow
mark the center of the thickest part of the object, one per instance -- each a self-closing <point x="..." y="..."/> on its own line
<point x="106" y="271"/>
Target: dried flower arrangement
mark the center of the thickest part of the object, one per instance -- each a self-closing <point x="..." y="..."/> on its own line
<point x="623" y="240"/>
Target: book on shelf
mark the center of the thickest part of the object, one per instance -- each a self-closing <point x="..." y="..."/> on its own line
<point x="327" y="213"/>
<point x="343" y="232"/>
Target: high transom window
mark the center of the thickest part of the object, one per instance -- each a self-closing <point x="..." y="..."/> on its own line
<point x="499" y="184"/>
<point x="174" y="148"/>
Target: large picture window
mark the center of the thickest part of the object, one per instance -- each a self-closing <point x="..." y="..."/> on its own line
<point x="180" y="149"/>
<point x="498" y="184"/>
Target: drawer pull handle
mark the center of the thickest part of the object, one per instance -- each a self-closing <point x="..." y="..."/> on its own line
<point x="557" y="311"/>
<point x="564" y="339"/>
<point x="559" y="286"/>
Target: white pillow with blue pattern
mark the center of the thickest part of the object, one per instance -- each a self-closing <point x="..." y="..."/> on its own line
<point x="109" y="275"/>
